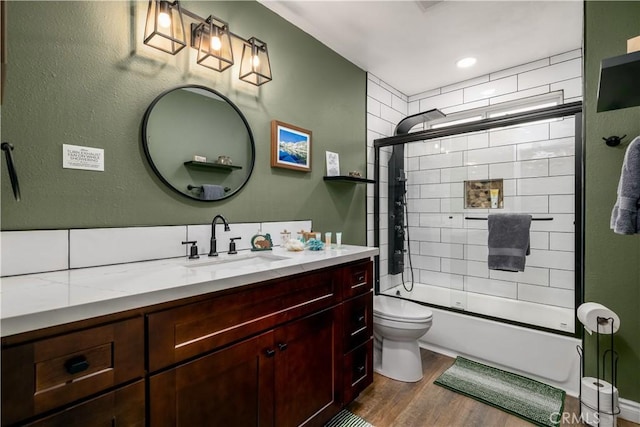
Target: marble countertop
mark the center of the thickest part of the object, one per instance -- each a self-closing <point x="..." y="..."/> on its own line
<point x="42" y="300"/>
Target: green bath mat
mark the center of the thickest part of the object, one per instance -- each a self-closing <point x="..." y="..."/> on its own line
<point x="528" y="399"/>
<point x="345" y="418"/>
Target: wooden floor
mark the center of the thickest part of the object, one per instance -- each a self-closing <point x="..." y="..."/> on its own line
<point x="389" y="403"/>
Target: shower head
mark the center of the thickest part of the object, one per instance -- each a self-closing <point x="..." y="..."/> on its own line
<point x="407" y="123"/>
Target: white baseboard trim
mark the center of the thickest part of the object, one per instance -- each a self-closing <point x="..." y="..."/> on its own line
<point x="629" y="410"/>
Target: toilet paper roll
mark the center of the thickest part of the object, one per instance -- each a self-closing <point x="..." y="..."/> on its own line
<point x="588" y="314"/>
<point x="591" y="417"/>
<point x="590" y="389"/>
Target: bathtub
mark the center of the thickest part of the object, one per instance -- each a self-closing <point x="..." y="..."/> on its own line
<point x="544" y="356"/>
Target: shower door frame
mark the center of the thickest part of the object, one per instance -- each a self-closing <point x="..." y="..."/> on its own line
<point x="563" y="110"/>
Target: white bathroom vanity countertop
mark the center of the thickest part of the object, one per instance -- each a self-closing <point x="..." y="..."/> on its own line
<point x="36" y="301"/>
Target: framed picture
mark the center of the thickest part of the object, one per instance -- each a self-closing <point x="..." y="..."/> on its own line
<point x="333" y="164"/>
<point x="290" y="147"/>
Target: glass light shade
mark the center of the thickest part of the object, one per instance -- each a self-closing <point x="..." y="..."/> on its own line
<point x="255" y="67"/>
<point x="214" y="44"/>
<point x="164" y="28"/>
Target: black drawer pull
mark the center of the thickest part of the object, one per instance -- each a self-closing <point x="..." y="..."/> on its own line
<point x="76" y="364"/>
<point x="361" y="319"/>
<point x="361" y="278"/>
<point x="282" y="346"/>
<point x="360" y="369"/>
<point x="270" y="352"/>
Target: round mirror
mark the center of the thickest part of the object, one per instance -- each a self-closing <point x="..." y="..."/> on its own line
<point x="198" y="143"/>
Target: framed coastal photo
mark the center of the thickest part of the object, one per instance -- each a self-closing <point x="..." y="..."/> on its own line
<point x="290" y="147"/>
<point x="333" y="164"/>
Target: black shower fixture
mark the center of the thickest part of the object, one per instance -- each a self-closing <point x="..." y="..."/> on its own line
<point x="405" y="125"/>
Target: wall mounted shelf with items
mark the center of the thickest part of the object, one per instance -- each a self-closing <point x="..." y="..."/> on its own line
<point x="209" y="165"/>
<point x="350" y="179"/>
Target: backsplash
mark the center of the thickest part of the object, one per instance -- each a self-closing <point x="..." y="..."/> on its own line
<point x="38" y="251"/>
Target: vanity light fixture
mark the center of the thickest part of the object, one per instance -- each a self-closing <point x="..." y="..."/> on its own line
<point x="214" y="44"/>
<point x="164" y="30"/>
<point x="255" y="67"/>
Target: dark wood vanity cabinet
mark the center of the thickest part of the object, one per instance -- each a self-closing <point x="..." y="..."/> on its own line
<point x="284" y="352"/>
<point x="122" y="407"/>
<point x="47" y="374"/>
<point x="357" y="330"/>
<point x="280" y="378"/>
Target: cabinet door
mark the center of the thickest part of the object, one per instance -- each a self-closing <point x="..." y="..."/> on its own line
<point x="306" y="374"/>
<point x="122" y="407"/>
<point x="358" y="371"/>
<point x="232" y="387"/>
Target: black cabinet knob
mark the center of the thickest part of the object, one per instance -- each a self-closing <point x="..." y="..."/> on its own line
<point x="282" y="346"/>
<point x="270" y="352"/>
<point x="76" y="364"/>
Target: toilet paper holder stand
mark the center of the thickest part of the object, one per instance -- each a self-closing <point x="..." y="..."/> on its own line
<point x="613" y="356"/>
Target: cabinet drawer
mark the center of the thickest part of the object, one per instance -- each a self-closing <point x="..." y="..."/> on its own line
<point x="122" y="407"/>
<point x="358" y="370"/>
<point x="357" y="279"/>
<point x="188" y="331"/>
<point x="358" y="321"/>
<point x="48" y="373"/>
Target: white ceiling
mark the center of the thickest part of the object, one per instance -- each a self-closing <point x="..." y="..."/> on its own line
<point x="414" y="45"/>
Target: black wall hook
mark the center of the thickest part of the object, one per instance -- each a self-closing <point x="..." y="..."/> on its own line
<point x="11" y="169"/>
<point x="613" y="141"/>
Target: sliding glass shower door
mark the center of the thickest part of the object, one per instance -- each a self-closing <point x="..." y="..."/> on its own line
<point x="435" y="196"/>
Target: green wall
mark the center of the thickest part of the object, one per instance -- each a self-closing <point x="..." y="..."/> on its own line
<point x="612" y="267"/>
<point x="80" y="75"/>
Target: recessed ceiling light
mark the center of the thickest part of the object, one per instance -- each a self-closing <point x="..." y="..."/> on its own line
<point x="466" y="62"/>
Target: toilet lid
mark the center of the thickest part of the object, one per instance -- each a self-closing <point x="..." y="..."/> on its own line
<point x="400" y="309"/>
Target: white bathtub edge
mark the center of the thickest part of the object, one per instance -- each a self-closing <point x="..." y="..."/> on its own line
<point x="546" y="357"/>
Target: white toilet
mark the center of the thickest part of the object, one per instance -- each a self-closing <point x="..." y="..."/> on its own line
<point x="397" y="325"/>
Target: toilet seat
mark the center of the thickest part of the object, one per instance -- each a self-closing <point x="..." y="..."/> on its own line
<point x="400" y="310"/>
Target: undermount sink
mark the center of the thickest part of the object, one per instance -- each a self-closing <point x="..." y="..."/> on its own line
<point x="237" y="261"/>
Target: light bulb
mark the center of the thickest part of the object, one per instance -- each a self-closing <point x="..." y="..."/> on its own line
<point x="216" y="43"/>
<point x="255" y="61"/>
<point x="164" y="20"/>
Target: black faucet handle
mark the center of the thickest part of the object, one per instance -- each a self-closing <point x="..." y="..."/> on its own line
<point x="193" y="250"/>
<point x="232" y="245"/>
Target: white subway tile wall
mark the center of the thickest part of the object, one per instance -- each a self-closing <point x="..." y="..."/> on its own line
<point x="25" y="252"/>
<point x="102" y="246"/>
<point x="51" y="250"/>
<point x="536" y="162"/>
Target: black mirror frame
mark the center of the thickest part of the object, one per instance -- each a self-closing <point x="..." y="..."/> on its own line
<point x="155" y="169"/>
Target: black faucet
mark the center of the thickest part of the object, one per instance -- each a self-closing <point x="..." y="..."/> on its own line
<point x="212" y="251"/>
